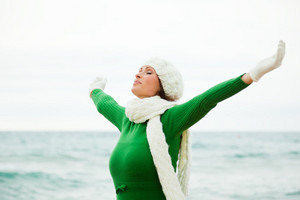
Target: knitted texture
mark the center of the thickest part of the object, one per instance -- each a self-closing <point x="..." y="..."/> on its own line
<point x="140" y="110"/>
<point x="268" y="64"/>
<point x="169" y="76"/>
<point x="131" y="162"/>
<point x="183" y="174"/>
<point x="162" y="161"/>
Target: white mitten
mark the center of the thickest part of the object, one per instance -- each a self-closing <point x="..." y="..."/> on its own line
<point x="268" y="64"/>
<point x="99" y="83"/>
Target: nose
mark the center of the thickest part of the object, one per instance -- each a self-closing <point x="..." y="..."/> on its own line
<point x="138" y="75"/>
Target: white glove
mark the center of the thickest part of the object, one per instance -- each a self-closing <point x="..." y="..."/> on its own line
<point x="268" y="64"/>
<point x="99" y="83"/>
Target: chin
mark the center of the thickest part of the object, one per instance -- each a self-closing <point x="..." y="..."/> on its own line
<point x="133" y="91"/>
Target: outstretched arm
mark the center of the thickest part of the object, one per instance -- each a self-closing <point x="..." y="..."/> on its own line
<point x="181" y="117"/>
<point x="185" y="115"/>
<point x="105" y="104"/>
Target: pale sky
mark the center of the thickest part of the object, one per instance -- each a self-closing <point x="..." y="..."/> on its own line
<point x="51" y="50"/>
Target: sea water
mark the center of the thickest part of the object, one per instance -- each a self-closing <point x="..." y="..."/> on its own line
<point x="74" y="165"/>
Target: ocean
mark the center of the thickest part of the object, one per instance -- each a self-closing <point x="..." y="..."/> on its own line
<point x="74" y="165"/>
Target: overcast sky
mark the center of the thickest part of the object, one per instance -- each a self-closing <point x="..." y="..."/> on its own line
<point x="51" y="50"/>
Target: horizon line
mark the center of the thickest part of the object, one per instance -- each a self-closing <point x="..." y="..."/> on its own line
<point x="197" y="131"/>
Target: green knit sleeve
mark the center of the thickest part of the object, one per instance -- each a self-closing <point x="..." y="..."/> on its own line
<point x="183" y="116"/>
<point x="109" y="108"/>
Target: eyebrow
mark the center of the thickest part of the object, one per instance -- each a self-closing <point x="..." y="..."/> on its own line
<point x="146" y="68"/>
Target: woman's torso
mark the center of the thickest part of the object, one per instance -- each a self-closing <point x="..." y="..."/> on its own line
<point x="131" y="164"/>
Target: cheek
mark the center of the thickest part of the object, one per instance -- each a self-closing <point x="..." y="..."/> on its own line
<point x="153" y="83"/>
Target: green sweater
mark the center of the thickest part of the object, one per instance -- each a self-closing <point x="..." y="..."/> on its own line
<point x="131" y="164"/>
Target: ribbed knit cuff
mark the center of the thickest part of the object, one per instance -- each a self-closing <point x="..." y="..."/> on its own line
<point x="242" y="82"/>
<point x="95" y="91"/>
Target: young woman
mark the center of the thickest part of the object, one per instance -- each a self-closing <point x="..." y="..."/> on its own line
<point x="154" y="129"/>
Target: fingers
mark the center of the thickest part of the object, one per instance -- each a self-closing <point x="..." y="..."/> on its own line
<point x="98" y="83"/>
<point x="98" y="78"/>
<point x="281" y="47"/>
<point x="281" y="43"/>
<point x="280" y="52"/>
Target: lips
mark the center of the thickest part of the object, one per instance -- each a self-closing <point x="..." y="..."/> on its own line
<point x="136" y="82"/>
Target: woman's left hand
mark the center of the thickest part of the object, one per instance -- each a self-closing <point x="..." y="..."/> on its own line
<point x="268" y="64"/>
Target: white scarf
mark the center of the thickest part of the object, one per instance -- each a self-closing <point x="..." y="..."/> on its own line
<point x="141" y="110"/>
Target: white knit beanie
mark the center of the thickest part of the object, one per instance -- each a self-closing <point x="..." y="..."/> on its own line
<point x="169" y="76"/>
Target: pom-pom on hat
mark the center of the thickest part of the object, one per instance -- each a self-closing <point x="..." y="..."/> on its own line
<point x="169" y="77"/>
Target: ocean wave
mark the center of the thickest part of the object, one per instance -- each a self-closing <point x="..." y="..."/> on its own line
<point x="293" y="153"/>
<point x="26" y="175"/>
<point x="41" y="157"/>
<point x="251" y="155"/>
<point x="39" y="185"/>
<point x="198" y="146"/>
<point x="297" y="193"/>
<point x="75" y="166"/>
<point x="39" y="177"/>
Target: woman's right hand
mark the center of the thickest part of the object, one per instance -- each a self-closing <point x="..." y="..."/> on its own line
<point x="99" y="83"/>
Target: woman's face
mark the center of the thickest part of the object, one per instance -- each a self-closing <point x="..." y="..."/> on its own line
<point x="146" y="83"/>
